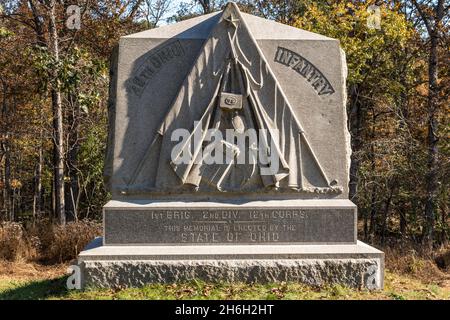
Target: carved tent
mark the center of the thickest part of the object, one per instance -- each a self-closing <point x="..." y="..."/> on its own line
<point x="231" y="86"/>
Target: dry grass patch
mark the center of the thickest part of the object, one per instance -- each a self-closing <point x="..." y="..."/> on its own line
<point x="44" y="241"/>
<point x="420" y="266"/>
<point x="26" y="271"/>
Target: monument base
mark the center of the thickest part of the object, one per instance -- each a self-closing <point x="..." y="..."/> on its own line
<point x="353" y="265"/>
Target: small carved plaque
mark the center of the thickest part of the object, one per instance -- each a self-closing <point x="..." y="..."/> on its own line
<point x="230" y="101"/>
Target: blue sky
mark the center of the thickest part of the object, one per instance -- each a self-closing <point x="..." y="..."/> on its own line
<point x="173" y="9"/>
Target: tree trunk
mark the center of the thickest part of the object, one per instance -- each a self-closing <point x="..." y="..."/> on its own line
<point x="8" y="190"/>
<point x="6" y="150"/>
<point x="37" y="201"/>
<point x="72" y="163"/>
<point x="58" y="132"/>
<point x="38" y="23"/>
<point x="373" y="213"/>
<point x="403" y="221"/>
<point x="403" y="60"/>
<point x="444" y="237"/>
<point x="432" y="139"/>
<point x="432" y="18"/>
<point x="373" y="198"/>
<point x="386" y="214"/>
<point x="355" y="122"/>
<point x="366" y="225"/>
<point x="206" y="6"/>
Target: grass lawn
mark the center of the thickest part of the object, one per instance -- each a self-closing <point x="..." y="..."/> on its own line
<point x="39" y="282"/>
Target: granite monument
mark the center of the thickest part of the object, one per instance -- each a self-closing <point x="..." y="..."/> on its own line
<point x="228" y="159"/>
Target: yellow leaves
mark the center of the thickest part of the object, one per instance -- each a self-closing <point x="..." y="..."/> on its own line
<point x="16" y="184"/>
<point x="4" y="33"/>
<point x="368" y="50"/>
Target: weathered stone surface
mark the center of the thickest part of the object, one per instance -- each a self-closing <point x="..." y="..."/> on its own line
<point x="362" y="273"/>
<point x="357" y="265"/>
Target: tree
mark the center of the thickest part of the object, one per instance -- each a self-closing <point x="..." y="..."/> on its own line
<point x="58" y="130"/>
<point x="154" y="10"/>
<point x="432" y="14"/>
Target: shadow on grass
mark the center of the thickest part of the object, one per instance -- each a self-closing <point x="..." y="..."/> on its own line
<point x="36" y="290"/>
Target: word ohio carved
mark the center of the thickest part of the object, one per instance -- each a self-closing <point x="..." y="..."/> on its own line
<point x="306" y="69"/>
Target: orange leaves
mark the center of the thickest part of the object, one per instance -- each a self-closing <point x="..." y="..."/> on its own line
<point x="16" y="184"/>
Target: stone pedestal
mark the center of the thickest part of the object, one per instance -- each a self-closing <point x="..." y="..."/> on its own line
<point x="354" y="265"/>
<point x="310" y="241"/>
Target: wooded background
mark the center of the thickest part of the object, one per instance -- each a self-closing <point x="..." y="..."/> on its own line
<point x="54" y="93"/>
